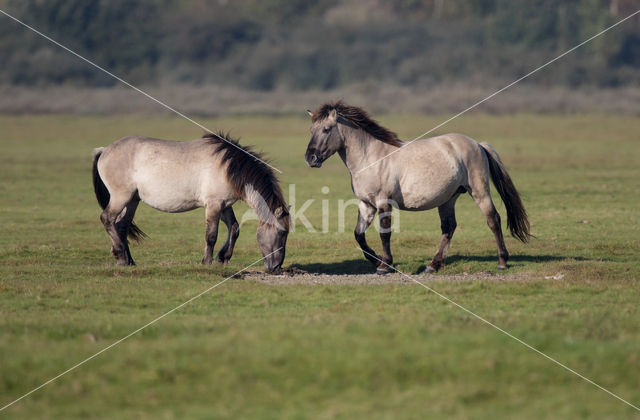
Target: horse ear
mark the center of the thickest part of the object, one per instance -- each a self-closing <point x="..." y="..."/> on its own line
<point x="309" y="112"/>
<point x="333" y="115"/>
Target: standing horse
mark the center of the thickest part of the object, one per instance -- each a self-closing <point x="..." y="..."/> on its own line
<point x="418" y="175"/>
<point x="176" y="176"/>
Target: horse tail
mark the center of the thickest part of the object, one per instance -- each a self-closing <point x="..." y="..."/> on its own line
<point x="517" y="220"/>
<point x="135" y="233"/>
<point x="103" y="196"/>
<point x="102" y="193"/>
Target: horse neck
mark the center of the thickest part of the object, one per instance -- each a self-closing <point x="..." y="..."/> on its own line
<point x="258" y="203"/>
<point x="361" y="149"/>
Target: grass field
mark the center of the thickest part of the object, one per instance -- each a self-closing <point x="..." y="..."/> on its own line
<point x="247" y="349"/>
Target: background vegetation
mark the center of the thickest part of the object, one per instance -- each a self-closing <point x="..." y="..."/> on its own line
<point x="302" y="45"/>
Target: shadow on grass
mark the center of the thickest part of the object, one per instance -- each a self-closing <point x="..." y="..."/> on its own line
<point x="518" y="258"/>
<point x="359" y="266"/>
<point x="362" y="266"/>
<point x="533" y="262"/>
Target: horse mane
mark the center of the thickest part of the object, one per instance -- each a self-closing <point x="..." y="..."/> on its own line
<point x="361" y="119"/>
<point x="246" y="167"/>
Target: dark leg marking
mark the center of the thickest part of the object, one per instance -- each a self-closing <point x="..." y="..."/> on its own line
<point x="212" y="217"/>
<point x="366" y="214"/>
<point x="229" y="219"/>
<point x="493" y="220"/>
<point x="122" y="226"/>
<point x="384" y="213"/>
<point x="447" y="226"/>
<point x="114" y="226"/>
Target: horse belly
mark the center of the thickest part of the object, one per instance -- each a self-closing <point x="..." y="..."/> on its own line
<point x="169" y="195"/>
<point x="426" y="200"/>
<point x="170" y="204"/>
<point x="427" y="190"/>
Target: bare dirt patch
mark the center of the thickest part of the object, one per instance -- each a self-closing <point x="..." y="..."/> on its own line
<point x="294" y="276"/>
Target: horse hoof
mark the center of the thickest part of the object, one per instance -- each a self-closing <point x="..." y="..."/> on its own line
<point x="382" y="271"/>
<point x="222" y="260"/>
<point x="429" y="270"/>
<point x="502" y="267"/>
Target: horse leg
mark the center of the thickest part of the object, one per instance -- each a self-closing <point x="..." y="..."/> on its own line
<point x="384" y="213"/>
<point x="448" y="225"/>
<point x="109" y="218"/>
<point x="212" y="218"/>
<point x="122" y="225"/>
<point x="229" y="219"/>
<point x="483" y="200"/>
<point x="366" y="214"/>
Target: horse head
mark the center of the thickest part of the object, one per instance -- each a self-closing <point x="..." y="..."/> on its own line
<point x="325" y="138"/>
<point x="272" y="239"/>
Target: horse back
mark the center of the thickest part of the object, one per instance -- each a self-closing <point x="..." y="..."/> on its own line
<point x="170" y="176"/>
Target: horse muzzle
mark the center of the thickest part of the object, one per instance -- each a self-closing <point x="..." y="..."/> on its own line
<point x="273" y="269"/>
<point x="273" y="264"/>
<point x="313" y="160"/>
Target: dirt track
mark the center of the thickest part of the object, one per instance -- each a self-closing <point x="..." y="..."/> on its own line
<point x="296" y="276"/>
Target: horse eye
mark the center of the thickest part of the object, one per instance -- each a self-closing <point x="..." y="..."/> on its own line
<point x="326" y="129"/>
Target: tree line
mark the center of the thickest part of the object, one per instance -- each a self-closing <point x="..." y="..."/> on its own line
<point x="298" y="44"/>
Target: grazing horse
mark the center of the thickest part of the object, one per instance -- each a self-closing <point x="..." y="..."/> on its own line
<point x="174" y="176"/>
<point x="420" y="175"/>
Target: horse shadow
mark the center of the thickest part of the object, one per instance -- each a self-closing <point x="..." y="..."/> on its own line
<point x="362" y="266"/>
<point x="519" y="258"/>
<point x="359" y="266"/>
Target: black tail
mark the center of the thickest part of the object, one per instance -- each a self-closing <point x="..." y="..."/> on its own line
<point x="517" y="220"/>
<point x="103" y="196"/>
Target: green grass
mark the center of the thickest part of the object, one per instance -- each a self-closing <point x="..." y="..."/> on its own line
<point x="314" y="351"/>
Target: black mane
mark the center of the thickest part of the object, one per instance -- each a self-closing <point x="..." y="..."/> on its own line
<point x="248" y="167"/>
<point x="360" y="118"/>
